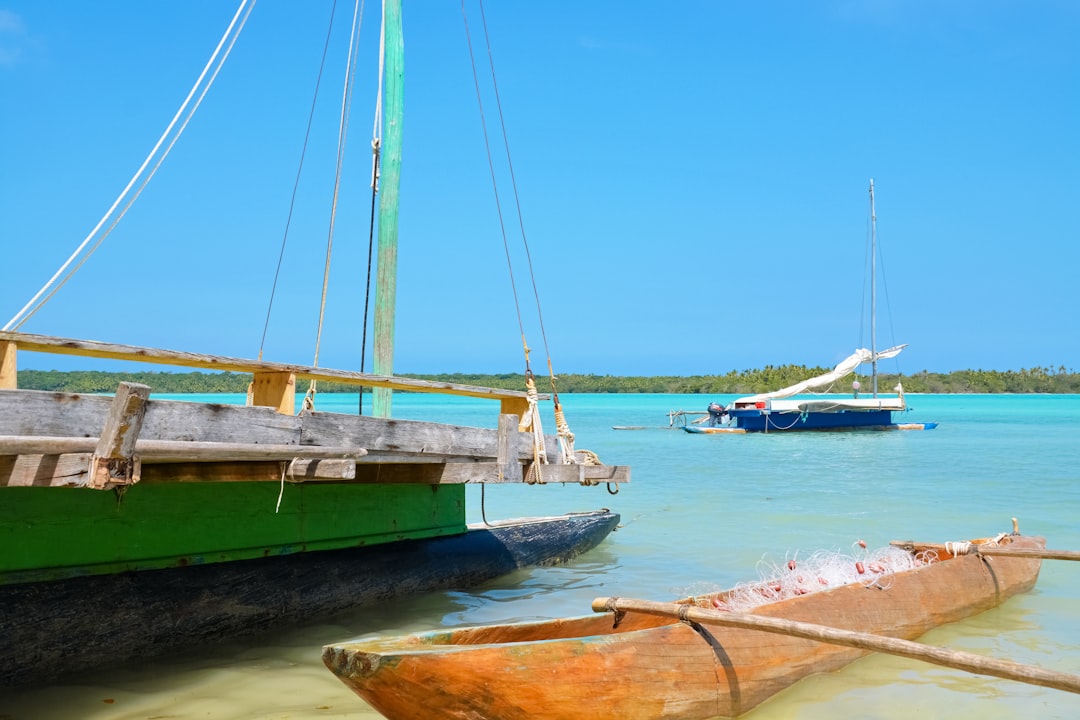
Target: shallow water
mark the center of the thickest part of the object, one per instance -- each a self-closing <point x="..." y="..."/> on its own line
<point x="699" y="514"/>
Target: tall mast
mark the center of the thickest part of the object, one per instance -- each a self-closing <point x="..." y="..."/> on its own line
<point x="390" y="181"/>
<point x="873" y="288"/>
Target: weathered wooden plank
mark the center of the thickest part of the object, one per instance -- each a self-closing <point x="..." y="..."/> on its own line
<point x="505" y="457"/>
<point x="91" y="348"/>
<point x="202" y="422"/>
<point x="71" y="470"/>
<point x="9" y="377"/>
<point x="455" y="473"/>
<point x="431" y="473"/>
<point x="113" y="462"/>
<point x="45" y="445"/>
<point x="35" y="422"/>
<point x="584" y="474"/>
<point x="45" y="470"/>
<point x="30" y="412"/>
<point x="409" y="436"/>
<point x="124" y="421"/>
<point x="38" y="413"/>
<point x="159" y="451"/>
<point x="302" y="470"/>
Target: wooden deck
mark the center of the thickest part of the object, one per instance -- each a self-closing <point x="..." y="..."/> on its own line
<point x="80" y="440"/>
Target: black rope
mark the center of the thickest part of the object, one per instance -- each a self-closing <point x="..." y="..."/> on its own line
<point x="367" y="286"/>
<point x="296" y="183"/>
<point x="513" y="183"/>
<point x="483" y="509"/>
<point x="494" y="182"/>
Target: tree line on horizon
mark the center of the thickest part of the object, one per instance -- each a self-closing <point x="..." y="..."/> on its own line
<point x="737" y="382"/>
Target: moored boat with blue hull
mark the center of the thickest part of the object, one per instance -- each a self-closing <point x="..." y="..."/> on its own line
<point x="809" y="405"/>
<point x="833" y="416"/>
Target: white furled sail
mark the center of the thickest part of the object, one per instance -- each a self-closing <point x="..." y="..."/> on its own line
<point x="846" y="367"/>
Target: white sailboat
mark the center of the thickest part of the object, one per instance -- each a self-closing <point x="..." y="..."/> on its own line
<point x="797" y="408"/>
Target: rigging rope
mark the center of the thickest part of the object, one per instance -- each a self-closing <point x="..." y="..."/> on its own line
<point x="229" y="37"/>
<point x="376" y="157"/>
<point x="566" y="437"/>
<point x="376" y="145"/>
<point x="296" y="182"/>
<point x="343" y="132"/>
<point x="870" y="259"/>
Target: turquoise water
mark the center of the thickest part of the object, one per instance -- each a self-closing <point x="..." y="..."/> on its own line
<point x="700" y="513"/>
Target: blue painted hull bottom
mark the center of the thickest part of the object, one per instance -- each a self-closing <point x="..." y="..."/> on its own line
<point x="66" y="627"/>
<point x="746" y="421"/>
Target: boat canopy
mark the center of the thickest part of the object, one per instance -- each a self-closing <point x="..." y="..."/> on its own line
<point x="846" y="367"/>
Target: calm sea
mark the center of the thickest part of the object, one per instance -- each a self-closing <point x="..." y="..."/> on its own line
<point x="699" y="514"/>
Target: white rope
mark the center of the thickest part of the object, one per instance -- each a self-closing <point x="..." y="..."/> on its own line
<point x="531" y="420"/>
<point x="377" y="125"/>
<point x="958" y="548"/>
<point x="33" y="305"/>
<point x="286" y="467"/>
<point x="566" y="438"/>
<point x="343" y="132"/>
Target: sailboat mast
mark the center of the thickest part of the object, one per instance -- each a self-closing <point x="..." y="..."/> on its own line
<point x="390" y="163"/>
<point x="873" y="288"/>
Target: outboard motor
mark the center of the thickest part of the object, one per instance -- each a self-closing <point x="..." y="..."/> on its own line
<point x="716" y="414"/>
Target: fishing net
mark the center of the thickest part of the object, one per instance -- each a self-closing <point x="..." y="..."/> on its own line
<point x="823" y="570"/>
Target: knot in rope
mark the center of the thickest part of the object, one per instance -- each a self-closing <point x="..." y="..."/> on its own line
<point x="588" y="457"/>
<point x="566" y="437"/>
<point x="531" y="420"/>
<point x="959" y="548"/>
<point x="309" y="399"/>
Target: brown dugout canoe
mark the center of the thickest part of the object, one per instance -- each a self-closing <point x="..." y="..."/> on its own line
<point x="648" y="667"/>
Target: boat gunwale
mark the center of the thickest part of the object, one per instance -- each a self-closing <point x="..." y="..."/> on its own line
<point x="428" y="642"/>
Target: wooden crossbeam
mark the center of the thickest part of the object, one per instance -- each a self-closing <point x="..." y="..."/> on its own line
<point x="93" y="348"/>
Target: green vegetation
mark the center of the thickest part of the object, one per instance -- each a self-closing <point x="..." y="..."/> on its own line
<point x="744" y="382"/>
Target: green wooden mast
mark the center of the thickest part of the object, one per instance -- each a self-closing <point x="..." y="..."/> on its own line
<point x="390" y="180"/>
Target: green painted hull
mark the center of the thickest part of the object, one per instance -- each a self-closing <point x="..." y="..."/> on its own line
<point x="54" y="533"/>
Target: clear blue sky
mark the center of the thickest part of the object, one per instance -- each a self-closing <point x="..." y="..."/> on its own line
<point x="693" y="178"/>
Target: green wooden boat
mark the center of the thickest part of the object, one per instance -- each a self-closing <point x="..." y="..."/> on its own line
<point x="133" y="526"/>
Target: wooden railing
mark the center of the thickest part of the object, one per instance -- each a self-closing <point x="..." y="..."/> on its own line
<point x="274" y="384"/>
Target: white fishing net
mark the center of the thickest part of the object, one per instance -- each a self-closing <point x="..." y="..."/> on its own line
<point x="823" y="570"/>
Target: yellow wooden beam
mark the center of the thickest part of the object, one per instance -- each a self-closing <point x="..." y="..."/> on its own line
<point x="276" y="390"/>
<point x="93" y="348"/>
<point x="9" y="377"/>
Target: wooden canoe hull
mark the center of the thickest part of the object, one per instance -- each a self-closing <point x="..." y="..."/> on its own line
<point x="67" y="626"/>
<point x="656" y="669"/>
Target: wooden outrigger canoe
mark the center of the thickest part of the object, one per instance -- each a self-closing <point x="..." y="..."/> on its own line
<point x="647" y="667"/>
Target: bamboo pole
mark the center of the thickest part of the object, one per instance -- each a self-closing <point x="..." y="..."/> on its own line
<point x="956" y="659"/>
<point x="1001" y="550"/>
